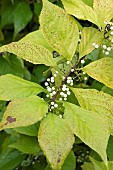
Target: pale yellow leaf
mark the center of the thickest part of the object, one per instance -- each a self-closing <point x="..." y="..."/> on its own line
<point x="56" y="140"/>
<point x="101" y="70"/>
<point x="90" y="127"/>
<point x="59" y="29"/>
<point x="24" y="112"/>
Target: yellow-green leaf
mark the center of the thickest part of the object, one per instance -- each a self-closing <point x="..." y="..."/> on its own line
<point x="101" y="70"/>
<point x="104" y="10"/>
<point x="56" y="140"/>
<point x="36" y="37"/>
<point x="80" y="10"/>
<point x="31" y="52"/>
<point x="59" y="29"/>
<point x="13" y="87"/>
<point x="89" y="36"/>
<point x="90" y="127"/>
<point x="99" y="102"/>
<point x="24" y="112"/>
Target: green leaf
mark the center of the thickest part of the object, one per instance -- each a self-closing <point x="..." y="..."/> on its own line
<point x="36" y="37"/>
<point x="37" y="7"/>
<point x="12" y="87"/>
<point x="24" y="112"/>
<point x="89" y="36"/>
<point x="59" y="29"/>
<point x="11" y="64"/>
<point x="90" y="127"/>
<point x="104" y="10"/>
<point x="88" y="2"/>
<point x="110" y="149"/>
<point x="22" y="15"/>
<point x="101" y="70"/>
<point x="12" y="160"/>
<point x="31" y="52"/>
<point x="6" y="13"/>
<point x="28" y="130"/>
<point x="80" y="10"/>
<point x="98" y="165"/>
<point x="70" y="162"/>
<point x="54" y="134"/>
<point x="26" y="144"/>
<point x="99" y="102"/>
<point x="107" y="90"/>
<point x="88" y="166"/>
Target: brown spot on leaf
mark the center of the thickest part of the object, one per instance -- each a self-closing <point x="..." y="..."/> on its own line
<point x="11" y="119"/>
<point x="58" y="161"/>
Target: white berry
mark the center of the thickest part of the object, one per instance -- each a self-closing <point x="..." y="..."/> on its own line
<point x="54" y="92"/>
<point x="60" y="99"/>
<point x="107" y="52"/>
<point x="85" y="78"/>
<point x="109" y="49"/>
<point x="104" y="46"/>
<point x="111" y="33"/>
<point x="55" y="105"/>
<point x="72" y="70"/>
<point x="68" y="92"/>
<point x="46" y="84"/>
<point x="52" y="103"/>
<point x="82" y="61"/>
<point x="96" y="46"/>
<point x="65" y="98"/>
<point x="49" y="89"/>
<point x="55" y="75"/>
<point x="68" y="62"/>
<point x="111" y="28"/>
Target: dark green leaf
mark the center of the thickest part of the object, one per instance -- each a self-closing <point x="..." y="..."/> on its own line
<point x="26" y="144"/>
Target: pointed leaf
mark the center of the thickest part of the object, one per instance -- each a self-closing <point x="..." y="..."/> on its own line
<point x="24" y="112"/>
<point x="59" y="29"/>
<point x="89" y="36"/>
<point x="31" y="52"/>
<point x="54" y="134"/>
<point x="69" y="163"/>
<point x="12" y="87"/>
<point x="80" y="10"/>
<point x="26" y="144"/>
<point x="90" y="127"/>
<point x="88" y="2"/>
<point x="96" y="101"/>
<point x="101" y="70"/>
<point x="104" y="10"/>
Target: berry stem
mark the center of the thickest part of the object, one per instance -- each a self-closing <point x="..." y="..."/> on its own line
<point x="59" y="88"/>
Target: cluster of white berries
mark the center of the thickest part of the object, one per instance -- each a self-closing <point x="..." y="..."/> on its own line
<point x="49" y="81"/>
<point x="83" y="157"/>
<point x="69" y="81"/>
<point x="64" y="93"/>
<point x="95" y="45"/>
<point x="106" y="50"/>
<point x="53" y="105"/>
